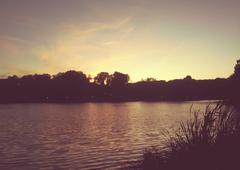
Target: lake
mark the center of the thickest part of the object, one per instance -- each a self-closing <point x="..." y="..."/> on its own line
<point x="85" y="136"/>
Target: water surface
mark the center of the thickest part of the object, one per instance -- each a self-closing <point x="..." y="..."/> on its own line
<point x="84" y="136"/>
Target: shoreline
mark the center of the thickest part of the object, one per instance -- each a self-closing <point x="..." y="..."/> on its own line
<point x="113" y="101"/>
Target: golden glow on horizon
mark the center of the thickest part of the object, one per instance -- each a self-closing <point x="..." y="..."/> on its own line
<point x="139" y="38"/>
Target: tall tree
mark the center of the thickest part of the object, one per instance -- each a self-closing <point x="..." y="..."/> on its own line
<point x="237" y="69"/>
<point x="102" y="78"/>
<point x="119" y="79"/>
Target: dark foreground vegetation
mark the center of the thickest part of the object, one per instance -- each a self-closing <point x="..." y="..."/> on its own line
<point x="208" y="141"/>
<point x="73" y="86"/>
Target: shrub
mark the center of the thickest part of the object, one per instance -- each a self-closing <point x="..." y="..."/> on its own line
<point x="209" y="140"/>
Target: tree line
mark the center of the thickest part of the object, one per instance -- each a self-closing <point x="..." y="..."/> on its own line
<point x="76" y="86"/>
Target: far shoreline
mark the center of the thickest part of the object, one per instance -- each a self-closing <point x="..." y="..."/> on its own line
<point x="123" y="101"/>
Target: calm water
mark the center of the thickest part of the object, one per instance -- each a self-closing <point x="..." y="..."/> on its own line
<point x="84" y="136"/>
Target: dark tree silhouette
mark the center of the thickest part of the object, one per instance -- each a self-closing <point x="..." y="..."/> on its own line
<point x="72" y="77"/>
<point x="237" y="69"/>
<point x="14" y="77"/>
<point x="102" y="78"/>
<point x="236" y="73"/>
<point x="150" y="79"/>
<point x="188" y="78"/>
<point x="234" y="84"/>
<point x="75" y="86"/>
<point x="118" y="79"/>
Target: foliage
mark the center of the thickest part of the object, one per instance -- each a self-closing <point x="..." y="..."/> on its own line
<point x="76" y="86"/>
<point x="208" y="141"/>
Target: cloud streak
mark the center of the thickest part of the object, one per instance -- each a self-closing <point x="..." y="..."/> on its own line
<point x="155" y="38"/>
<point x="80" y="48"/>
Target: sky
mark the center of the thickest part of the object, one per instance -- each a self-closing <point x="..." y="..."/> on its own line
<point x="164" y="39"/>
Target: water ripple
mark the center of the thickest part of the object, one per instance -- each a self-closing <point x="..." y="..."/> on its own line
<point x="83" y="136"/>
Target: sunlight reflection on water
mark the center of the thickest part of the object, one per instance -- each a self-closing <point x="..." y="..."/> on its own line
<point x="84" y="136"/>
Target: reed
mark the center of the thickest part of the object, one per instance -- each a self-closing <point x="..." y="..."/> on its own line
<point x="209" y="140"/>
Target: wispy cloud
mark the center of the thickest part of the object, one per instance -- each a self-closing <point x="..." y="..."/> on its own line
<point x="76" y="47"/>
<point x="124" y="24"/>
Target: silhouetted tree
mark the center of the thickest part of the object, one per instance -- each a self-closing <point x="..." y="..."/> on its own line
<point x="118" y="79"/>
<point x="150" y="79"/>
<point x="237" y="69"/>
<point x="14" y="77"/>
<point x="236" y="74"/>
<point x="27" y="78"/>
<point x="42" y="77"/>
<point x="188" y="78"/>
<point x="102" y="78"/>
<point x="234" y="84"/>
<point x="89" y="77"/>
<point x="74" y="86"/>
<point x="72" y="77"/>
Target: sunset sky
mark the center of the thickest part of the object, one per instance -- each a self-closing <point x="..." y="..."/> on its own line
<point x="165" y="39"/>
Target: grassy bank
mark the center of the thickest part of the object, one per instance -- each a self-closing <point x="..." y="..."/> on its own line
<point x="209" y="140"/>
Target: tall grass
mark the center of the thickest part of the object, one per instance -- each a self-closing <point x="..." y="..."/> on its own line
<point x="209" y="140"/>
